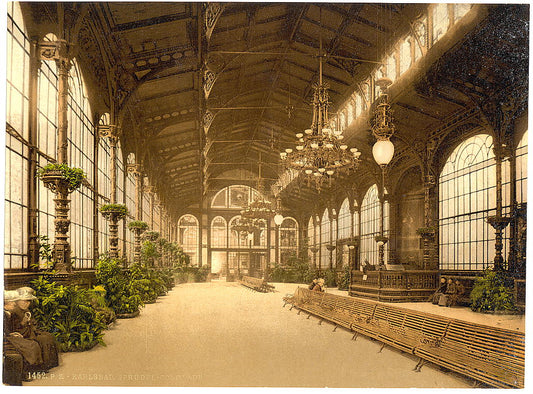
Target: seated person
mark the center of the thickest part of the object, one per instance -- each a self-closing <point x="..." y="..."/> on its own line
<point x="13" y="341"/>
<point x="434" y="298"/>
<point x="320" y="285"/>
<point x="26" y="326"/>
<point x="451" y="291"/>
<point x="454" y="296"/>
<point x="313" y="284"/>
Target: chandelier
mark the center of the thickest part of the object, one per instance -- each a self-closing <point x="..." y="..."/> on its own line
<point x="245" y="225"/>
<point x="382" y="125"/>
<point x="320" y="153"/>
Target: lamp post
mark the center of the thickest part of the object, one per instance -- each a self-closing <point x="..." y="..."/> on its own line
<point x="278" y="219"/>
<point x="383" y="128"/>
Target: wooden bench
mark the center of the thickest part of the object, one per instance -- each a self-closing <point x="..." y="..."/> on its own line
<point x="256" y="284"/>
<point x="490" y="355"/>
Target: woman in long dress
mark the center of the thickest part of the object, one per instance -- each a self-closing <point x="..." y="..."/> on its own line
<point x="24" y="324"/>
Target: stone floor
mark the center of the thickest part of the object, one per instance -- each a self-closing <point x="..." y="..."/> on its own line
<point x="224" y="335"/>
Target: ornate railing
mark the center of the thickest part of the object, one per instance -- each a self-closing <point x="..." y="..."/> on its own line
<point x="394" y="286"/>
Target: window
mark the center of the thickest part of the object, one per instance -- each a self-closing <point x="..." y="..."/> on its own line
<point x="234" y="197"/>
<point x="288" y="238"/>
<point x="405" y="55"/>
<point x="325" y="239"/>
<point x="370" y="226"/>
<point x="16" y="159"/>
<point x="345" y="220"/>
<point x="219" y="233"/>
<point x="521" y="170"/>
<point x="441" y="20"/>
<point x="81" y="138"/>
<point x="467" y="193"/>
<point x="349" y="114"/>
<point x="391" y="67"/>
<point x="188" y="236"/>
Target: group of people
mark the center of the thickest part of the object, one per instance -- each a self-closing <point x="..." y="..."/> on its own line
<point x="448" y="292"/>
<point x="38" y="348"/>
<point x="318" y="285"/>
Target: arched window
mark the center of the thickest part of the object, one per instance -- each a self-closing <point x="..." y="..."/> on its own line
<point x="288" y="238"/>
<point x="325" y="239"/>
<point x="311" y="232"/>
<point x="391" y="67"/>
<point x="234" y="197"/>
<point x="521" y="170"/>
<point x="81" y="154"/>
<point x="345" y="220"/>
<point x="370" y="226"/>
<point x="358" y="105"/>
<point x="219" y="233"/>
<point x="236" y="239"/>
<point x="188" y="236"/>
<point x="467" y="192"/>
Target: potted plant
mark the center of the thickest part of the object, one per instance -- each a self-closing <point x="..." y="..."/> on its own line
<point x="151" y="235"/>
<point x="55" y="175"/>
<point x="429" y="231"/>
<point x="493" y="293"/>
<point x="116" y="211"/>
<point x="137" y="225"/>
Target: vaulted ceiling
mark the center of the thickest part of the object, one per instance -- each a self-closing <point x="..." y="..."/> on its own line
<point x="204" y="93"/>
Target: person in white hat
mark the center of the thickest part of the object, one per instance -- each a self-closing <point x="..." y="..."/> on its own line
<point x="24" y="324"/>
<point x="29" y="349"/>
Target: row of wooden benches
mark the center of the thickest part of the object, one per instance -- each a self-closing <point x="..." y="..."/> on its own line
<point x="491" y="355"/>
<point x="256" y="284"/>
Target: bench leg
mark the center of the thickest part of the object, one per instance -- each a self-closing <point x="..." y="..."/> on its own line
<point x="419" y="365"/>
<point x="292" y="306"/>
<point x="308" y="316"/>
<point x="381" y="349"/>
<point x="335" y="329"/>
<point x="320" y="322"/>
<point x="284" y="305"/>
<point x="354" y="337"/>
<point x="300" y="311"/>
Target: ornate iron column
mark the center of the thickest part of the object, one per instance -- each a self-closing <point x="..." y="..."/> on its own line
<point x="112" y="133"/>
<point x="429" y="233"/>
<point x="58" y="51"/>
<point x="135" y="170"/>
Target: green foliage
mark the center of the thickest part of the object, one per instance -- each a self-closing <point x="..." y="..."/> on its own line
<point x="120" y="210"/>
<point x="330" y="277"/>
<point x="149" y="253"/>
<point x="185" y="274"/>
<point x="493" y="292"/>
<point x="296" y="270"/>
<point x="137" y="224"/>
<point x="151" y="235"/>
<point x="344" y="282"/>
<point x="73" y="175"/>
<point x="147" y="282"/>
<point x="67" y="312"/>
<point x="121" y="293"/>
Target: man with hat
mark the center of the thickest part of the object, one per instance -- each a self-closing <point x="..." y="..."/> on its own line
<point x="25" y="325"/>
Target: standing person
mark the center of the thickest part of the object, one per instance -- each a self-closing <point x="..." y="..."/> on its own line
<point x="25" y="325"/>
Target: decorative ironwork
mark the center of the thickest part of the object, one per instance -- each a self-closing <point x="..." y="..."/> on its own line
<point x="207" y="120"/>
<point x="209" y="79"/>
<point x="382" y="121"/>
<point x="212" y="13"/>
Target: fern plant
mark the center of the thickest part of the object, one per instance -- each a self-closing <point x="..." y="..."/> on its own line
<point x="67" y="313"/>
<point x="74" y="176"/>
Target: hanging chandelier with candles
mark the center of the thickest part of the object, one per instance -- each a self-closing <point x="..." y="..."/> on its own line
<point x="320" y="153"/>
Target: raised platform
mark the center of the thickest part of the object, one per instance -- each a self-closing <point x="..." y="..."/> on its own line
<point x="394" y="286"/>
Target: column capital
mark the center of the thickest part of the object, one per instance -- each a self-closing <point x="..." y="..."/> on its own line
<point x="57" y="51"/>
<point x="110" y="131"/>
<point x="134" y="169"/>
